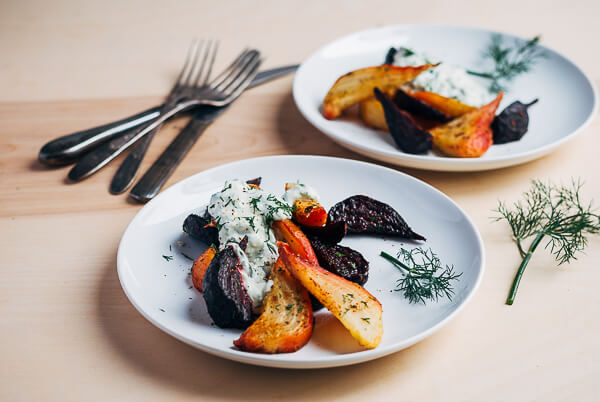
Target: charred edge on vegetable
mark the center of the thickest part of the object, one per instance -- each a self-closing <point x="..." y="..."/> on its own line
<point x="331" y="233"/>
<point x="342" y="261"/>
<point x="255" y="181"/>
<point x="363" y="214"/>
<point x="418" y="108"/>
<point x="512" y="123"/>
<point x="389" y="57"/>
<point x="200" y="228"/>
<point x="227" y="300"/>
<point x="409" y="137"/>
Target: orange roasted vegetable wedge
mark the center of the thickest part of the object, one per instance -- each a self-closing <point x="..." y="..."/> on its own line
<point x="289" y="232"/>
<point x="201" y="265"/>
<point x="286" y="323"/>
<point x="358" y="85"/>
<point x="357" y="309"/>
<point x="309" y="213"/>
<point x="448" y="106"/>
<point x="371" y="113"/>
<point x="469" y="135"/>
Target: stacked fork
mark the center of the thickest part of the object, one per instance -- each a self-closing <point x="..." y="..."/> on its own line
<point x="191" y="89"/>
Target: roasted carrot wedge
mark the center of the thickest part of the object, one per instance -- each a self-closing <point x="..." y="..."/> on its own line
<point x="309" y="213"/>
<point x="289" y="232"/>
<point x="201" y="265"/>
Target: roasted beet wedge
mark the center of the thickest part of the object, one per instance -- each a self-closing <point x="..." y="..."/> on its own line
<point x="416" y="107"/>
<point x="406" y="133"/>
<point x="342" y="261"/>
<point x="227" y="300"/>
<point x="201" y="228"/>
<point x="363" y="214"/>
<point x="255" y="182"/>
<point x="331" y="233"/>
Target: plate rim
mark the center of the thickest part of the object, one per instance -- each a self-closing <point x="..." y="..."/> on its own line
<point x="399" y="158"/>
<point x="272" y="360"/>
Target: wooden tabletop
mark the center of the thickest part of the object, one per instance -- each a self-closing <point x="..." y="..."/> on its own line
<point x="67" y="331"/>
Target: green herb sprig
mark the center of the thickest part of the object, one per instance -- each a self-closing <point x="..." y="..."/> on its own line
<point x="424" y="277"/>
<point x="509" y="60"/>
<point x="551" y="212"/>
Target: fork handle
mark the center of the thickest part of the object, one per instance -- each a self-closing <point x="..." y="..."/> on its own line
<point x="68" y="148"/>
<point x="153" y="180"/>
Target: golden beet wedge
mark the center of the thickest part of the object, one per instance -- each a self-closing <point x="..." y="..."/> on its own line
<point x="201" y="265"/>
<point x="448" y="106"/>
<point x="286" y="323"/>
<point x="358" y="85"/>
<point x="357" y="309"/>
<point x="469" y="135"/>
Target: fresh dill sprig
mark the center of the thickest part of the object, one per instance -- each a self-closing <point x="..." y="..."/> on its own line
<point x="509" y="60"/>
<point x="552" y="212"/>
<point x="424" y="277"/>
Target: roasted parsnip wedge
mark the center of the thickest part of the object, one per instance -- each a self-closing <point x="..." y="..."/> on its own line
<point x="357" y="309"/>
<point x="448" y="106"/>
<point x="289" y="232"/>
<point x="358" y="85"/>
<point x="371" y="113"/>
<point x="469" y="135"/>
<point x="286" y="323"/>
<point x="201" y="265"/>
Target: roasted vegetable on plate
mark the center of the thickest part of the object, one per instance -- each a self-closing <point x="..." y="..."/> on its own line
<point x="273" y="260"/>
<point x="426" y="105"/>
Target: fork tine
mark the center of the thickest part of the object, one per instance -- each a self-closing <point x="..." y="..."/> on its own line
<point x="237" y="70"/>
<point x="244" y="78"/>
<point x="233" y="81"/>
<point x="188" y="59"/>
<point x="194" y="63"/>
<point x="228" y="71"/>
<point x="212" y="62"/>
<point x="202" y="67"/>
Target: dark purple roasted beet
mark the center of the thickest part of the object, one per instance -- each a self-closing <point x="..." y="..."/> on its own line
<point x="196" y="226"/>
<point x="512" y="123"/>
<point x="363" y="214"/>
<point x="406" y="133"/>
<point x="342" y="261"/>
<point x="389" y="57"/>
<point x="227" y="300"/>
<point x="256" y="181"/>
<point x="416" y="107"/>
<point x="331" y="233"/>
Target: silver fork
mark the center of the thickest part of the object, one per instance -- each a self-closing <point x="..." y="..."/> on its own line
<point x="219" y="92"/>
<point x="129" y="167"/>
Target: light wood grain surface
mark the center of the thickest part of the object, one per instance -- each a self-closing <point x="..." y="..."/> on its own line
<point x="67" y="331"/>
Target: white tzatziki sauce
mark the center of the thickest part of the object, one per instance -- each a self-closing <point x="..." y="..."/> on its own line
<point x="299" y="191"/>
<point x="445" y="79"/>
<point x="240" y="210"/>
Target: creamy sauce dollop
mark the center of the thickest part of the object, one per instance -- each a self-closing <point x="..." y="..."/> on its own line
<point x="299" y="191"/>
<point x="445" y="79"/>
<point x="240" y="210"/>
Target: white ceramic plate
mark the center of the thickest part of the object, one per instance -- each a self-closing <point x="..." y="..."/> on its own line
<point x="161" y="290"/>
<point x="567" y="98"/>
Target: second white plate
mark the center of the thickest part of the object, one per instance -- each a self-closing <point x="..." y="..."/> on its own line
<point x="567" y="98"/>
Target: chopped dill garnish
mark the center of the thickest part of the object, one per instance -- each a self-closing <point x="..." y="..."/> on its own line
<point x="167" y="257"/>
